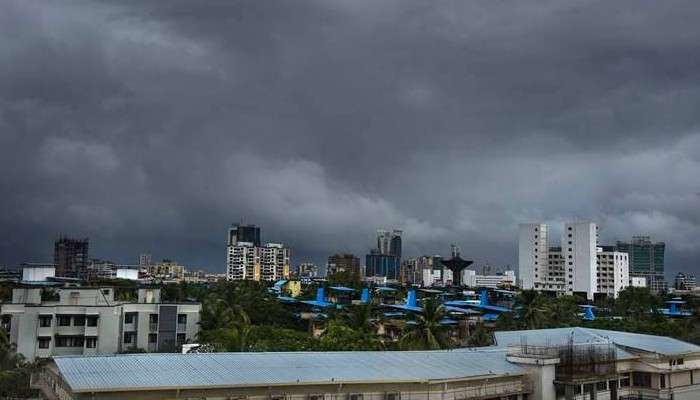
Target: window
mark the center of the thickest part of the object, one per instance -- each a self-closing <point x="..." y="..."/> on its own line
<point x="153" y="318"/>
<point x="315" y="397"/>
<point x="662" y="381"/>
<point x="63" y="320"/>
<point x="129" y="317"/>
<point x="182" y="318"/>
<point x="79" y="320"/>
<point x="601" y="386"/>
<point x="90" y="342"/>
<point x="44" y="342"/>
<point x="69" y="341"/>
<point x="641" y="379"/>
<point x="355" y="396"/>
<point x="181" y="338"/>
<point x="45" y="321"/>
<point x="105" y="292"/>
<point x="92" y="320"/>
<point x="392" y="396"/>
<point x="152" y="338"/>
<point x="128" y="337"/>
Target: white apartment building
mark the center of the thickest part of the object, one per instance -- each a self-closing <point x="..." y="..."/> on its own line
<point x="471" y="279"/>
<point x="613" y="271"/>
<point x="45" y="321"/>
<point x="249" y="262"/>
<point x="572" y="267"/>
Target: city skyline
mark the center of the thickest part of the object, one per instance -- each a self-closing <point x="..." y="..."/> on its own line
<point x="149" y="127"/>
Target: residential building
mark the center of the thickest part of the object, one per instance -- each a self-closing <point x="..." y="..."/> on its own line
<point x="647" y="260"/>
<point x="249" y="262"/>
<point x="71" y="258"/>
<point x="45" y="321"/>
<point x="247" y="259"/>
<point x="532" y="259"/>
<point x="612" y="274"/>
<point x="167" y="269"/>
<point x="395" y="244"/>
<point x="343" y="262"/>
<point x="145" y="260"/>
<point x="577" y="266"/>
<point x="684" y="281"/>
<point x="308" y="270"/>
<point x="495" y="281"/>
<point x="548" y="364"/>
<point x="412" y="269"/>
<point x="38" y="272"/>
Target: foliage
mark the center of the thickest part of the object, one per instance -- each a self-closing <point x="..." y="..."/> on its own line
<point x="346" y="278"/>
<point x="479" y="337"/>
<point x="339" y="336"/>
<point x="532" y="309"/>
<point x="274" y="338"/>
<point x="427" y="333"/>
<point x="14" y="371"/>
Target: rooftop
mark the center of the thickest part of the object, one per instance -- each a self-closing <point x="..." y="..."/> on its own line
<point x="165" y="371"/>
<point x="662" y="345"/>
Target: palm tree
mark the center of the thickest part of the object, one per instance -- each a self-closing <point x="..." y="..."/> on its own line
<point x="360" y="318"/>
<point x="480" y="337"/>
<point x="232" y="330"/>
<point x="428" y="333"/>
<point x="531" y="309"/>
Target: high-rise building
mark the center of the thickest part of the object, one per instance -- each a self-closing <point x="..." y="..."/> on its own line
<point x="382" y="265"/>
<point x="71" y="258"/>
<point x="383" y="241"/>
<point x="343" y="263"/>
<point x="395" y="244"/>
<point x="612" y="271"/>
<point x="571" y="268"/>
<point x="247" y="259"/>
<point x="244" y="233"/>
<point x="646" y="260"/>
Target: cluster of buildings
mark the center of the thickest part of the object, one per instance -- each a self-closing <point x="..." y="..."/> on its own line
<point x="549" y="364"/>
<point x="580" y="265"/>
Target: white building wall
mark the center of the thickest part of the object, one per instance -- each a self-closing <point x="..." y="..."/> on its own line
<point x="579" y="248"/>
<point x="612" y="272"/>
<point x="532" y="254"/>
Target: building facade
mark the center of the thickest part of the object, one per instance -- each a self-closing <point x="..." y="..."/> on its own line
<point x="249" y="262"/>
<point x="646" y="259"/>
<point x="45" y="321"/>
<point x="548" y="364"/>
<point x="684" y="281"/>
<point x="577" y="266"/>
<point x="71" y="258"/>
<point x="612" y="274"/>
<point x="343" y="262"/>
<point x="495" y="281"/>
<point x="382" y="265"/>
<point x="244" y="233"/>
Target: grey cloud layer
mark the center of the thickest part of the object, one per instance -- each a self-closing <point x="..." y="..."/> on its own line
<point x="152" y="125"/>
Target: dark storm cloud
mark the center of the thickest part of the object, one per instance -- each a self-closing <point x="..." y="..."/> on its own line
<point x="150" y="126"/>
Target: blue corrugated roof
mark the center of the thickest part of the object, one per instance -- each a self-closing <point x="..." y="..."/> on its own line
<point x="153" y="371"/>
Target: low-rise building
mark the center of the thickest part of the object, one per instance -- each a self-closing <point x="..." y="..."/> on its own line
<point x="550" y="364"/>
<point x="471" y="279"/>
<point x="684" y="281"/>
<point x="45" y="320"/>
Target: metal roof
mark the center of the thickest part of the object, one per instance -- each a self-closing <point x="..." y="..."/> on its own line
<point x="647" y="343"/>
<point x="167" y="371"/>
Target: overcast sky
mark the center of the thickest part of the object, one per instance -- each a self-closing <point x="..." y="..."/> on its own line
<point x="151" y="126"/>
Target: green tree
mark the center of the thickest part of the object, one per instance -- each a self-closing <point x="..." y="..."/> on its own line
<point x="637" y="302"/>
<point x="427" y="333"/>
<point x="562" y="312"/>
<point x="231" y="334"/>
<point x="480" y="337"/>
<point x="14" y="371"/>
<point x="531" y="309"/>
<point x="340" y="337"/>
